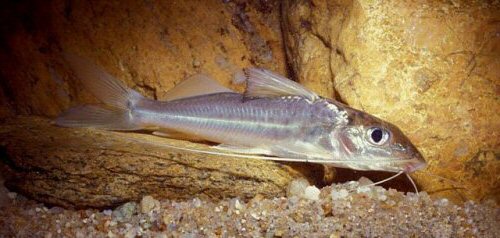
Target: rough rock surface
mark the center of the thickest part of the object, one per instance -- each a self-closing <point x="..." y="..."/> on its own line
<point x="307" y="53"/>
<point x="430" y="67"/>
<point x="91" y="168"/>
<point x="149" y="45"/>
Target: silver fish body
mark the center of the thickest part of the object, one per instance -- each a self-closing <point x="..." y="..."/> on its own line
<point x="274" y="117"/>
<point x="286" y="126"/>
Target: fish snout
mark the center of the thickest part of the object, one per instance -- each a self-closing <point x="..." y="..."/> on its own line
<point x="418" y="162"/>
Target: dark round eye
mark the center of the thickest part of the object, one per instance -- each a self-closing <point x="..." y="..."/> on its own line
<point x="377" y="135"/>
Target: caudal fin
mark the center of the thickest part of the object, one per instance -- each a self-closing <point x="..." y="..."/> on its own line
<point x="117" y="100"/>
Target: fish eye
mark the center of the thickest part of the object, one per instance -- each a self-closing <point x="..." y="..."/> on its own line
<point x="378" y="136"/>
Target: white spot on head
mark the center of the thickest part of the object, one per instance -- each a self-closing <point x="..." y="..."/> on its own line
<point x="332" y="107"/>
<point x="296" y="98"/>
<point x="341" y="116"/>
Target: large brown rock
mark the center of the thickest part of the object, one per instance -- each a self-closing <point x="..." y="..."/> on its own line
<point x="308" y="54"/>
<point x="91" y="168"/>
<point x="149" y="45"/>
<point x="430" y="67"/>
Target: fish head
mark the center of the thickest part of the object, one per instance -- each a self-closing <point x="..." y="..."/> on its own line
<point x="378" y="145"/>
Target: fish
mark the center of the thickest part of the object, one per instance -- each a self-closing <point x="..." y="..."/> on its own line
<point x="275" y="118"/>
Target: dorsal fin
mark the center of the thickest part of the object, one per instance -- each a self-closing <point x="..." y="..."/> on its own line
<point x="264" y="83"/>
<point x="195" y="85"/>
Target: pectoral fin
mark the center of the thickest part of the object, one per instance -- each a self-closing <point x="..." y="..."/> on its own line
<point x="176" y="135"/>
<point x="243" y="150"/>
<point x="264" y="83"/>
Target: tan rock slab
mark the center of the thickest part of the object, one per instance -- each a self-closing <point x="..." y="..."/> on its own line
<point x="92" y="168"/>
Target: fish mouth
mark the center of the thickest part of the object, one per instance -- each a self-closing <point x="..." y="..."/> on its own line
<point x="414" y="165"/>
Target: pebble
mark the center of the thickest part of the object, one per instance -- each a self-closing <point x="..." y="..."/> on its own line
<point x="237" y="205"/>
<point x="197" y="202"/>
<point x="297" y="187"/>
<point x="339" y="194"/>
<point x="148" y="204"/>
<point x="312" y="193"/>
<point x="364" y="189"/>
<point x="382" y="197"/>
<point x="341" y="214"/>
<point x="363" y="181"/>
<point x="125" y="211"/>
<point x="107" y="212"/>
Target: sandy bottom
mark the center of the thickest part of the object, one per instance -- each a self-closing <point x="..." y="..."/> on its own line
<point x="341" y="210"/>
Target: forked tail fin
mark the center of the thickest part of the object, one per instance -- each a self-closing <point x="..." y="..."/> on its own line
<point x="115" y="112"/>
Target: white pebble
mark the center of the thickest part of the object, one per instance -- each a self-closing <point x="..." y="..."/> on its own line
<point x="255" y="216"/>
<point x="340" y="194"/>
<point x="237" y="205"/>
<point x="382" y="197"/>
<point x="442" y="202"/>
<point x="363" y="189"/>
<point x="196" y="202"/>
<point x="297" y="187"/>
<point x="311" y="193"/>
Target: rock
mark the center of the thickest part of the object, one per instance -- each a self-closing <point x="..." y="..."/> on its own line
<point x="364" y="189"/>
<point x="339" y="194"/>
<point x="311" y="193"/>
<point x="300" y="188"/>
<point x="307" y="53"/>
<point x="71" y="167"/>
<point x="125" y="211"/>
<point x="235" y="204"/>
<point x="150" y="45"/>
<point x="148" y="204"/>
<point x="297" y="187"/>
<point x="430" y="67"/>
<point x="364" y="181"/>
